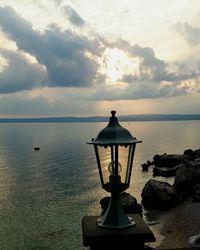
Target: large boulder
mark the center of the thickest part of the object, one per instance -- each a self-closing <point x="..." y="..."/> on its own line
<point x="159" y="195"/>
<point x="188" y="152"/>
<point x="187" y="177"/>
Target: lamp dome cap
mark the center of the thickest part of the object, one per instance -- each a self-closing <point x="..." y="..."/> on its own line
<point x="114" y="134"/>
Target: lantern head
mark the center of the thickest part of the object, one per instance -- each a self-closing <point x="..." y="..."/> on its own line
<point x="114" y="148"/>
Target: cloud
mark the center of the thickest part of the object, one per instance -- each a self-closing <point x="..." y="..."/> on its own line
<point x="153" y="68"/>
<point x="73" y="16"/>
<point x="62" y="102"/>
<point x="136" y="90"/>
<point x="64" y="54"/>
<point x="153" y="78"/>
<point x="68" y="59"/>
<point x="20" y="74"/>
<point x="191" y="34"/>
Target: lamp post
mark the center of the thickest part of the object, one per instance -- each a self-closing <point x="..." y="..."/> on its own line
<point x="114" y="148"/>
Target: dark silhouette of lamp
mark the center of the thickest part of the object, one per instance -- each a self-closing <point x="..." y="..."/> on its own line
<point x="114" y="148"/>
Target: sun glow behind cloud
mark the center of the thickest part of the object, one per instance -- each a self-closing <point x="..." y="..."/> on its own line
<point x="116" y="64"/>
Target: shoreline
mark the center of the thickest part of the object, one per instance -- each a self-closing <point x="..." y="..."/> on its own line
<point x="174" y="227"/>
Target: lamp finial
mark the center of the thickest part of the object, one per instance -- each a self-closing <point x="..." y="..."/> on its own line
<point x="113" y="112"/>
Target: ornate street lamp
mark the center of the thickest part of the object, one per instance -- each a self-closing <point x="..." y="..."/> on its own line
<point x="114" y="148"/>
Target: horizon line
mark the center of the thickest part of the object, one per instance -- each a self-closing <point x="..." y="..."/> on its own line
<point x="128" y="118"/>
<point x="2" y="116"/>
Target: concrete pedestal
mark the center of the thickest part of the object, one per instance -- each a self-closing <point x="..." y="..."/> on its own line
<point x="131" y="238"/>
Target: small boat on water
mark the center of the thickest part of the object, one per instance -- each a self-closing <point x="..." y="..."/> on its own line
<point x="36" y="148"/>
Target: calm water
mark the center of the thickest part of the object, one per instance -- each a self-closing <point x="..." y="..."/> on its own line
<point x="44" y="194"/>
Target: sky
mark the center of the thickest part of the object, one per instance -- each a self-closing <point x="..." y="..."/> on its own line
<point x="83" y="58"/>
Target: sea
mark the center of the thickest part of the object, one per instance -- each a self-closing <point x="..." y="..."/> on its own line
<point x="44" y="194"/>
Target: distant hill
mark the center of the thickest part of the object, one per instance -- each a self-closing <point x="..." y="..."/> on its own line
<point x="151" y="117"/>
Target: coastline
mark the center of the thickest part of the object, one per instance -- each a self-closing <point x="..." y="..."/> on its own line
<point x="175" y="226"/>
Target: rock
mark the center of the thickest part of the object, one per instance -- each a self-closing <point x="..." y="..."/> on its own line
<point x="196" y="193"/>
<point x="197" y="153"/>
<point x="152" y="223"/>
<point x="159" y="195"/>
<point x="193" y="154"/>
<point x="186" y="171"/>
<point x="188" y="152"/>
<point x="165" y="172"/>
<point x="145" y="166"/>
<point x="187" y="177"/>
<point x="169" y="161"/>
<point x="195" y="240"/>
<point x="128" y="202"/>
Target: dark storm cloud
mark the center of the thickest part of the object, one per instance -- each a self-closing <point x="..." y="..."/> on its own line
<point x="20" y="74"/>
<point x="62" y="53"/>
<point x="73" y="16"/>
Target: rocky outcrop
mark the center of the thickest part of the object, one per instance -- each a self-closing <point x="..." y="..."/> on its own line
<point x="166" y="165"/>
<point x="193" y="154"/>
<point x="159" y="195"/>
<point x="169" y="160"/>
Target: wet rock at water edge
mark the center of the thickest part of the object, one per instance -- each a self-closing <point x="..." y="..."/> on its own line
<point x="169" y="160"/>
<point x="165" y="172"/>
<point x="159" y="195"/>
<point x="145" y="166"/>
<point x="193" y="154"/>
<point x="188" y="152"/>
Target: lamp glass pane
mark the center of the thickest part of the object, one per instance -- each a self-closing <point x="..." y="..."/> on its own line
<point x="108" y="163"/>
<point x="123" y="160"/>
<point x="105" y="159"/>
<point x="130" y="163"/>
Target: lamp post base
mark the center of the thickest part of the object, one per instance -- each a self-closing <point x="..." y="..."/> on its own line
<point x="131" y="224"/>
<point x="97" y="238"/>
<point x="115" y="217"/>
